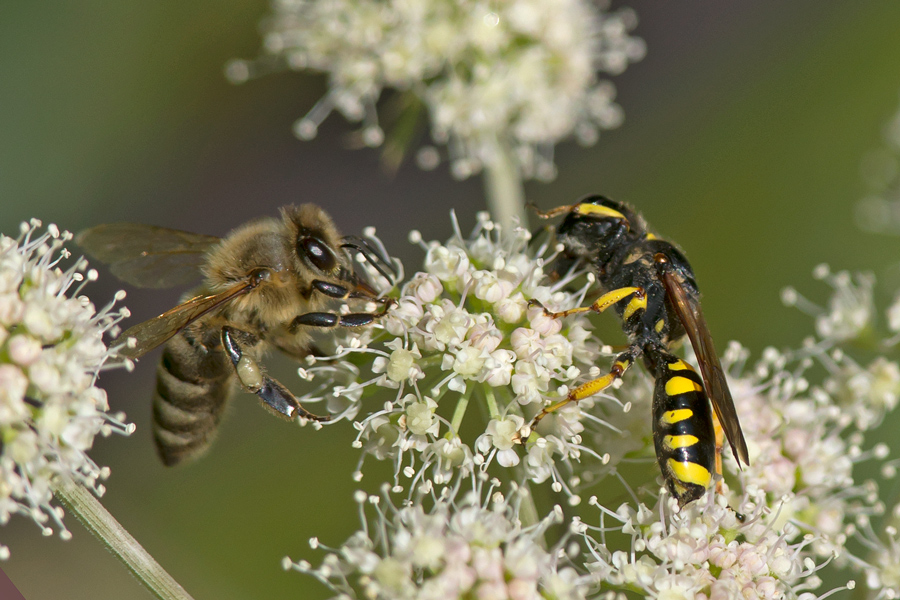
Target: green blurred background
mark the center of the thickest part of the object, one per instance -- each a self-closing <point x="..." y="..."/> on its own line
<point x="745" y="126"/>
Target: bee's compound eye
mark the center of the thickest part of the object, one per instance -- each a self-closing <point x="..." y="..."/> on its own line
<point x="318" y="253"/>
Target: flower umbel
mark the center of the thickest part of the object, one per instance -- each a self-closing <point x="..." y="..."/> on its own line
<point x="466" y="545"/>
<point x="51" y="351"/>
<point x="462" y="338"/>
<point x="520" y="74"/>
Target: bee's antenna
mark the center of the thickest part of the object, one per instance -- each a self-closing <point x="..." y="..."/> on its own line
<point x="372" y="256"/>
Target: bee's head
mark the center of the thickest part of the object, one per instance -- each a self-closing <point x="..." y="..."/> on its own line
<point x="316" y="243"/>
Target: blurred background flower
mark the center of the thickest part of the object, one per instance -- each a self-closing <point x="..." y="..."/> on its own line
<point x="502" y="83"/>
<point x="523" y="74"/>
<point x="745" y="127"/>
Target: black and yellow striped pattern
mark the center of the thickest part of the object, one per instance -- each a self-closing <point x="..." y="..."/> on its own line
<point x="682" y="429"/>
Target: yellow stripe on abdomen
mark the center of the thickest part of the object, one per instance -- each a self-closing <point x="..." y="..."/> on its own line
<point x="680" y="365"/>
<point x="673" y="442"/>
<point x="674" y="416"/>
<point x="689" y="472"/>
<point x="681" y="385"/>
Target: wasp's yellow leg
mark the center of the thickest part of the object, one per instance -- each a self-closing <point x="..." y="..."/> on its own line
<point x="720" y="443"/>
<point x="594" y="386"/>
<point x="599" y="305"/>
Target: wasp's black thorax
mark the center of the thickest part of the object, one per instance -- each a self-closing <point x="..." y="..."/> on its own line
<point x="627" y="260"/>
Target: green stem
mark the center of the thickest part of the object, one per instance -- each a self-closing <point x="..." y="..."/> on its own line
<point x="528" y="513"/>
<point x="96" y="519"/>
<point x="491" y="399"/>
<point x="503" y="188"/>
<point x="459" y="413"/>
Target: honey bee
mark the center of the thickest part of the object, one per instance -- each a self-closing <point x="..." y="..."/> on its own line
<point x="265" y="286"/>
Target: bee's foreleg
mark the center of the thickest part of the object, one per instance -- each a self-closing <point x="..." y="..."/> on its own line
<point x="594" y="386"/>
<point x="342" y="292"/>
<point x="327" y="320"/>
<point x="253" y="377"/>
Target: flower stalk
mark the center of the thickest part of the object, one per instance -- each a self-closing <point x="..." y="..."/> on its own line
<point x="96" y="519"/>
<point x="503" y="189"/>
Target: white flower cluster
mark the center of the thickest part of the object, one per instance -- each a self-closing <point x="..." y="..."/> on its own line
<point x="462" y="335"/>
<point x="462" y="332"/>
<point x="704" y="551"/>
<point x="798" y="503"/>
<point x="467" y="545"/>
<point x="882" y="566"/>
<point x="805" y="440"/>
<point x="521" y="74"/>
<point x="51" y="350"/>
<point x="796" y="506"/>
<point x="850" y="310"/>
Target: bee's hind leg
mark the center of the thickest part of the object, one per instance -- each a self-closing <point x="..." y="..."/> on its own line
<point x="253" y="377"/>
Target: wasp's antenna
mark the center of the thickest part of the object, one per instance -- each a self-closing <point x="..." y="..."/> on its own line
<point x="552" y="212"/>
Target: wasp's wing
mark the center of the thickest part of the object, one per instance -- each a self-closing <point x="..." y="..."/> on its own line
<point x="159" y="330"/>
<point x="688" y="309"/>
<point x="146" y="255"/>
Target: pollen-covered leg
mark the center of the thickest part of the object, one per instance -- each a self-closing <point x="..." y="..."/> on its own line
<point x="253" y="377"/>
<point x="595" y="386"/>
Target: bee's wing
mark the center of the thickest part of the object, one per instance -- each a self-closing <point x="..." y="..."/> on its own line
<point x="158" y="330"/>
<point x="146" y="255"/>
<point x="688" y="309"/>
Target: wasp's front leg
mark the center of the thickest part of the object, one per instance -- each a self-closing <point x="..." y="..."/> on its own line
<point x="600" y="304"/>
<point x="238" y="345"/>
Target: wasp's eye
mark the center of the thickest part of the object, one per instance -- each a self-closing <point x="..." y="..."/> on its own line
<point x="318" y="253"/>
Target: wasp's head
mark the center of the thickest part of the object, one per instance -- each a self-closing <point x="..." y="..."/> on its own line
<point x="594" y="227"/>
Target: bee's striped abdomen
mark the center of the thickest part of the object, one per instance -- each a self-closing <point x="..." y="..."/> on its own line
<point x="682" y="429"/>
<point x="192" y="386"/>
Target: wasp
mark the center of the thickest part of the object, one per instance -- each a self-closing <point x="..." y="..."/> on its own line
<point x="264" y="287"/>
<point x="652" y="287"/>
